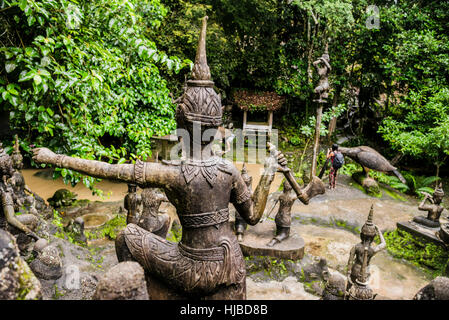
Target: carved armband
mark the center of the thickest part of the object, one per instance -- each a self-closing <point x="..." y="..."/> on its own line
<point x="139" y="172"/>
<point x="242" y="197"/>
<point x="59" y="158"/>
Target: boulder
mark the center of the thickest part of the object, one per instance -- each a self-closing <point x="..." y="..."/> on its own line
<point x="124" y="281"/>
<point x="437" y="289"/>
<point x="17" y="282"/>
<point x="48" y="264"/>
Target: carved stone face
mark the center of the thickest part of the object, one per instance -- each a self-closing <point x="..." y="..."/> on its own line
<point x="438" y="197"/>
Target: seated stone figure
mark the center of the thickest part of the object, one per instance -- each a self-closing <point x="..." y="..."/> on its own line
<point x="150" y="219"/>
<point x="434" y="209"/>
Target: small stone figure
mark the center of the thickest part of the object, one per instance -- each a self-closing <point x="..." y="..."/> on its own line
<point x="359" y="259"/>
<point x="77" y="228"/>
<point x="131" y="203"/>
<point x="283" y="218"/>
<point x="150" y="219"/>
<point x="62" y="198"/>
<point x="17" y="159"/>
<point x="334" y="286"/>
<point x="434" y="209"/>
<point x="323" y="86"/>
<point x="240" y="224"/>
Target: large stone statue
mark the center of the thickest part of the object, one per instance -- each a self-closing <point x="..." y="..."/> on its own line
<point x="359" y="259"/>
<point x="207" y="263"/>
<point x="283" y="218"/>
<point x="323" y="67"/>
<point x="434" y="208"/>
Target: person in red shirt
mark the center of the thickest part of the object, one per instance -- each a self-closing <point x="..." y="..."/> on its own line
<point x="331" y="154"/>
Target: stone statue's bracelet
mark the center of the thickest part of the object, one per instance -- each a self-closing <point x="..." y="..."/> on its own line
<point x="59" y="159"/>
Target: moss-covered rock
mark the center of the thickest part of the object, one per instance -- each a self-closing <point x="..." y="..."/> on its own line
<point x="17" y="281"/>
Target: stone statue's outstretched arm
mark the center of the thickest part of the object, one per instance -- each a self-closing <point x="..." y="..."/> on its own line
<point x="8" y="209"/>
<point x="142" y="173"/>
<point x="251" y="208"/>
<point x="382" y="245"/>
<point x="423" y="206"/>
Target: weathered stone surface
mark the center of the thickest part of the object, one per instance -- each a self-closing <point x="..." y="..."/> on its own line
<point x="16" y="279"/>
<point x="125" y="281"/>
<point x="335" y="286"/>
<point x="369" y="184"/>
<point x="48" y="264"/>
<point x="437" y="289"/>
<point x="256" y="238"/>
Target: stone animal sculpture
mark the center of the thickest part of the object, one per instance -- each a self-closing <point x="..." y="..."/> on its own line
<point x="207" y="263"/>
<point x="369" y="158"/>
<point x="62" y="198"/>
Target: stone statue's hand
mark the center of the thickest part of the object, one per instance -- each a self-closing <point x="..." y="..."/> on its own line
<point x="43" y="155"/>
<point x="282" y="162"/>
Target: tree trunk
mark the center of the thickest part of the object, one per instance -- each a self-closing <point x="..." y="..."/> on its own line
<point x="316" y="144"/>
<point x="333" y="122"/>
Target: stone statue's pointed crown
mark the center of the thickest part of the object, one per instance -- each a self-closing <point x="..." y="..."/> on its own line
<point x="439" y="192"/>
<point x="200" y="103"/>
<point x="368" y="228"/>
<point x="200" y="69"/>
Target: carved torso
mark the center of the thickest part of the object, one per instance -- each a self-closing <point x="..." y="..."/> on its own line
<point x="359" y="252"/>
<point x="286" y="201"/>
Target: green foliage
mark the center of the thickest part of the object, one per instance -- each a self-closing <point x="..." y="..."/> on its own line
<point x="175" y="233"/>
<point x="415" y="184"/>
<point x="419" y="126"/>
<point x="308" y="129"/>
<point x="419" y="184"/>
<point x="432" y="258"/>
<point x="61" y="233"/>
<point x="83" y="77"/>
<point x="109" y="230"/>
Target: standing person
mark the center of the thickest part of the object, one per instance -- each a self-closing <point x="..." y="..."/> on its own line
<point x="337" y="161"/>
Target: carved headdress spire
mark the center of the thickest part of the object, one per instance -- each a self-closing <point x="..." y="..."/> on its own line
<point x="439" y="191"/>
<point x="200" y="68"/>
<point x="200" y="103"/>
<point x="368" y="228"/>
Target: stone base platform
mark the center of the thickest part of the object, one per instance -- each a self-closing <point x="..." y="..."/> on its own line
<point x="256" y="238"/>
<point x="429" y="234"/>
